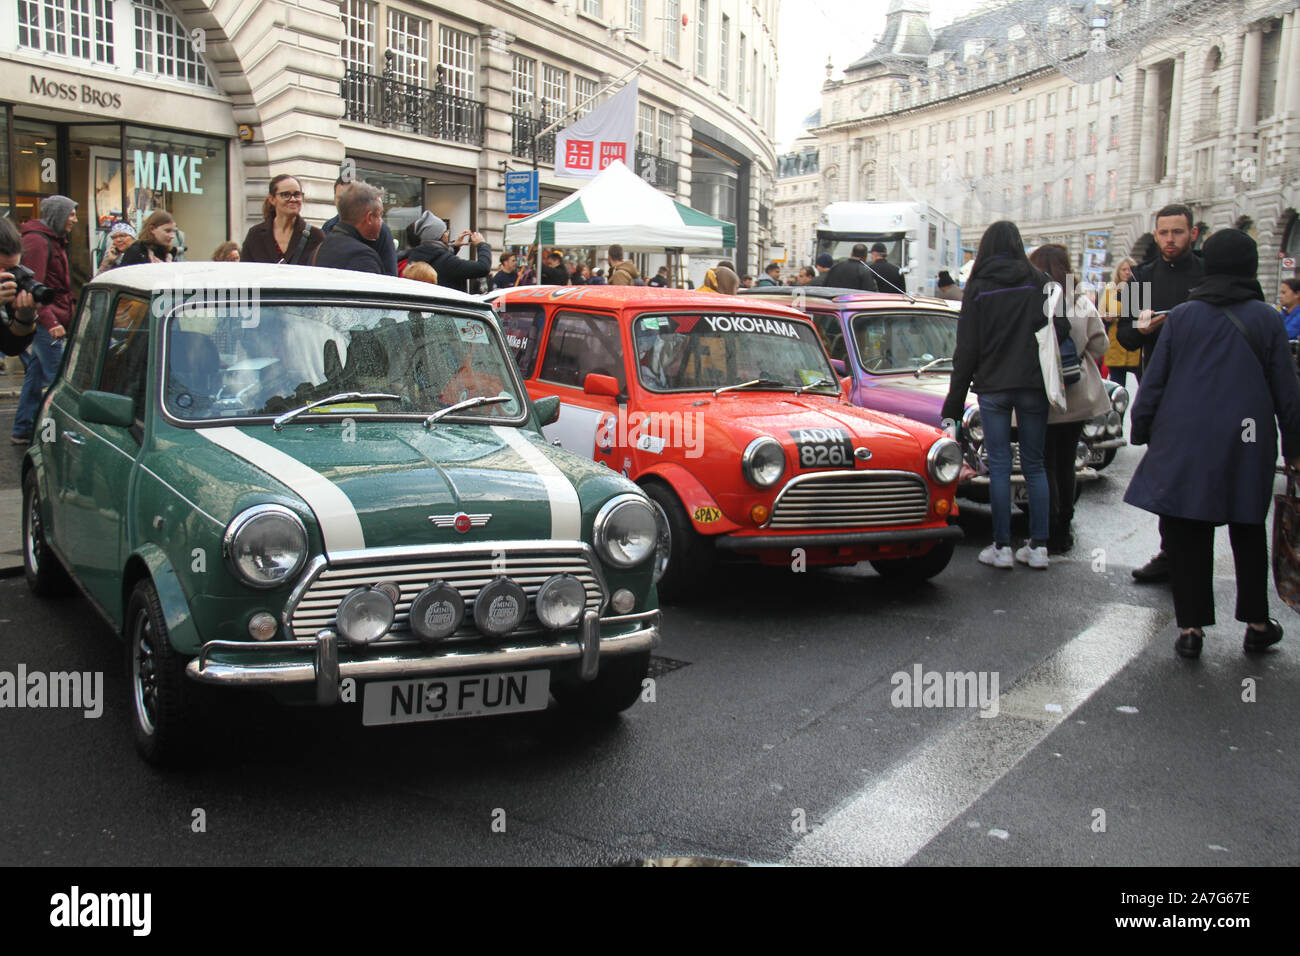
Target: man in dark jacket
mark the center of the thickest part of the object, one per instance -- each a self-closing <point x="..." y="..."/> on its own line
<point x="18" y="323"/>
<point x="45" y="252"/>
<point x="383" y="245"/>
<point x="1159" y="285"/>
<point x="852" y="273"/>
<point x="1206" y="412"/>
<point x="554" y="273"/>
<point x="350" y="244"/>
<point x="431" y="243"/>
<point x="885" y="270"/>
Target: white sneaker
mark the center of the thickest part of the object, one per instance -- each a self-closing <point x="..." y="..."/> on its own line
<point x="1034" y="557"/>
<point x="999" y="557"/>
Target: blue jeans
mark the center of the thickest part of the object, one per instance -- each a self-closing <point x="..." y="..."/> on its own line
<point x="1031" y="409"/>
<point x="41" y="361"/>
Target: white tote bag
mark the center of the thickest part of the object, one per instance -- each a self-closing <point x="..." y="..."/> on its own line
<point x="1049" y="354"/>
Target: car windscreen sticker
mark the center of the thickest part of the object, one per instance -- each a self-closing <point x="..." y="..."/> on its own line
<point x="750" y="323"/>
<point x="473" y="333"/>
<point x="823" y="447"/>
<point x="566" y="510"/>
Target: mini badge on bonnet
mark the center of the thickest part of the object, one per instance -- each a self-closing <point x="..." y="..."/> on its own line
<point x="460" y="521"/>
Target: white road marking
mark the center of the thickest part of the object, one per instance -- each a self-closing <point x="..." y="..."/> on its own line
<point x="566" y="510"/>
<point x="340" y="526"/>
<point x="889" y="822"/>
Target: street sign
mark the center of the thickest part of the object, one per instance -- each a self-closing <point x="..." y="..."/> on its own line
<point x="1288" y="263"/>
<point x="521" y="193"/>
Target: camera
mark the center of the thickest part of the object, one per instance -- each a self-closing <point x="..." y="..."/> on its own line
<point x="25" y="278"/>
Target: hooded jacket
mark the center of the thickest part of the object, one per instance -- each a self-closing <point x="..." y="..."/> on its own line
<point x="45" y="252"/>
<point x="623" y="273"/>
<point x="1003" y="306"/>
<point x="453" y="271"/>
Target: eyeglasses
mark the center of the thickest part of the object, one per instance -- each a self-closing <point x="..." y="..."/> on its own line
<point x="295" y="195"/>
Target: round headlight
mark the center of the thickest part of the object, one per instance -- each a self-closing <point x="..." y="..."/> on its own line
<point x="1119" y="399"/>
<point x="365" y="615"/>
<point x="1081" y="455"/>
<point x="1094" y="427"/>
<point x="500" y="607"/>
<point x="437" y="611"/>
<point x="560" y="601"/>
<point x="626" y="531"/>
<point x="944" y="461"/>
<point x="972" y="424"/>
<point x="1114" y="424"/>
<point x="763" y="462"/>
<point x="265" y="545"/>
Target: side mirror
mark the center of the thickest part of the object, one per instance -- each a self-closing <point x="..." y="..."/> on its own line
<point x="597" y="384"/>
<point x="547" y="409"/>
<point x="107" y="408"/>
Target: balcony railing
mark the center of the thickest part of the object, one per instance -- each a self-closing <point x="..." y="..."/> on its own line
<point x="390" y="102"/>
<point x="656" y="170"/>
<point x="523" y="128"/>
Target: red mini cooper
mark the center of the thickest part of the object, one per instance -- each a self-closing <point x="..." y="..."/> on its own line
<point x="728" y="413"/>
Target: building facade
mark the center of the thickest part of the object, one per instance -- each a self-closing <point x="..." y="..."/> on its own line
<point x="1032" y="113"/>
<point x="798" y="203"/>
<point x="193" y="105"/>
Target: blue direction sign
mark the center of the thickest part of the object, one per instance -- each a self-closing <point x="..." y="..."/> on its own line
<point x="521" y="193"/>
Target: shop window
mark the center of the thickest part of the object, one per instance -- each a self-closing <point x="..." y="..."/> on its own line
<point x="162" y="44"/>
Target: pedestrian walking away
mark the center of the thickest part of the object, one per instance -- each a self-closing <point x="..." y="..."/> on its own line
<point x="45" y="252"/>
<point x="1004" y="306"/>
<point x="823" y="264"/>
<point x="1217" y="387"/>
<point x="621" y="271"/>
<point x="888" y="277"/>
<point x="1158" y="285"/>
<point x="853" y="272"/>
<point x="283" y="235"/>
<point x="1084" y="399"/>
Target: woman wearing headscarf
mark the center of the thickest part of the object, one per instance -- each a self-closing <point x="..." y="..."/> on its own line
<point x="1003" y="306"/>
<point x="120" y="238"/>
<point x="282" y="235"/>
<point x="1119" y="360"/>
<point x="155" y="243"/>
<point x="1221" y="374"/>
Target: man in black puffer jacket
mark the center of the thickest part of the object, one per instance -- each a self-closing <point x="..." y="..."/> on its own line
<point x="429" y="242"/>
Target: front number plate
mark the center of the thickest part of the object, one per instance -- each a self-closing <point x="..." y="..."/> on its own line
<point x="823" y="447"/>
<point x="442" y="698"/>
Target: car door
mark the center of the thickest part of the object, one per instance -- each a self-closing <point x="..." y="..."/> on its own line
<point x="103" y="462"/>
<point x="579" y="344"/>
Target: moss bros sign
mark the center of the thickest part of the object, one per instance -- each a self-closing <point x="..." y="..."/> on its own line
<point x="82" y="93"/>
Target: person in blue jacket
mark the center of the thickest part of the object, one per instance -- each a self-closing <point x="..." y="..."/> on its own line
<point x="1220" y="375"/>
<point x="1289" y="296"/>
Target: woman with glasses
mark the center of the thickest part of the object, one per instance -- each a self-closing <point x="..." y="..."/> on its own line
<point x="282" y="235"/>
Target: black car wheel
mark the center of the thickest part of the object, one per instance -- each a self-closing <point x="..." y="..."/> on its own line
<point x="45" y="575"/>
<point x="1107" y="456"/>
<point x="163" y="705"/>
<point x="691" y="555"/>
<point x="616" y="687"/>
<point x="918" y="569"/>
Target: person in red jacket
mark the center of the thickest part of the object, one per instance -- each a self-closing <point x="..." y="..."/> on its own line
<point x="45" y="252"/>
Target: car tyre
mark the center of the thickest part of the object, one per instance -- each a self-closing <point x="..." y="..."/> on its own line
<point x="45" y="575"/>
<point x="921" y="568"/>
<point x="164" y="708"/>
<point x="1107" y="456"/>
<point x="616" y="687"/>
<point x="691" y="555"/>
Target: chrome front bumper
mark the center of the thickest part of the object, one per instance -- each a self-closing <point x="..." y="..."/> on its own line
<point x="325" y="670"/>
<point x="1085" y="473"/>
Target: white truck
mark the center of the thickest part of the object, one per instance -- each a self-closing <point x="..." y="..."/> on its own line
<point x="918" y="238"/>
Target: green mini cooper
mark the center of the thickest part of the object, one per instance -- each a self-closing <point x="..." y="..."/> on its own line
<point x="332" y="486"/>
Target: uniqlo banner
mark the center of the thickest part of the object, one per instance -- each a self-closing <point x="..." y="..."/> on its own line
<point x="605" y="134"/>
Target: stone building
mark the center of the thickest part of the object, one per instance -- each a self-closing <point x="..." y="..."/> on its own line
<point x="798" y="202"/>
<point x="1078" y="121"/>
<point x="205" y="100"/>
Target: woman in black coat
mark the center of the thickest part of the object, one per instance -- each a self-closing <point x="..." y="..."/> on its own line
<point x="1206" y="413"/>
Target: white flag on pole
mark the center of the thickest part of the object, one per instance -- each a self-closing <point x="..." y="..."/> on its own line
<point x="605" y="134"/>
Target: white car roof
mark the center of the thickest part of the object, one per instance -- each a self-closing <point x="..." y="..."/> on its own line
<point x="260" y="276"/>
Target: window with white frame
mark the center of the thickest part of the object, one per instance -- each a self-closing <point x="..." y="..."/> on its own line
<point x="724" y="49"/>
<point x="740" y="71"/>
<point x="672" y="29"/>
<point x="645" y="126"/>
<point x="1051" y="104"/>
<point x="79" y="28"/>
<point x="523" y="83"/>
<point x="584" y="93"/>
<point x="664" y="147"/>
<point x="990" y="121"/>
<point x="988" y="160"/>
<point x="702" y="38"/>
<point x="408" y="39"/>
<point x="555" y="92"/>
<point x="636" y="18"/>
<point x="970" y="125"/>
<point x="162" y="44"/>
<point x="360" y="28"/>
<point x="1029" y="109"/>
<point x="753" y="81"/>
<point x="1011" y="116"/>
<point x="1072" y="98"/>
<point x="456" y="57"/>
<point x="591" y="8"/>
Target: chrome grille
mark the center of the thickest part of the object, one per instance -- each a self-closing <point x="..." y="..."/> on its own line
<point x="467" y="572"/>
<point x="851" y="500"/>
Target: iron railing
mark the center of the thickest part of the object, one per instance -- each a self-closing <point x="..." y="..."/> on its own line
<point x="656" y="170"/>
<point x="523" y="129"/>
<point x="384" y="100"/>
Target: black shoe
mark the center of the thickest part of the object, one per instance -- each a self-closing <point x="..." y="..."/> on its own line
<point x="1154" y="571"/>
<point x="1060" y="544"/>
<point x="23" y="440"/>
<point x="1257" y="641"/>
<point x="1189" y="645"/>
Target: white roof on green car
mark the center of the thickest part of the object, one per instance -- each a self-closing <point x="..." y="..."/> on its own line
<point x="258" y="277"/>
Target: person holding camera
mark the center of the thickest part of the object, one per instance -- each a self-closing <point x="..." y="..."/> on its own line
<point x="45" y="253"/>
<point x="18" y="326"/>
<point x="429" y="240"/>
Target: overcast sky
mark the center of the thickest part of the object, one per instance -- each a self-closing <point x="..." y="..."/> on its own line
<point x="844" y="29"/>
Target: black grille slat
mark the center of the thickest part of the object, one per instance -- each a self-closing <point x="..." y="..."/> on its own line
<point x="848" y="501"/>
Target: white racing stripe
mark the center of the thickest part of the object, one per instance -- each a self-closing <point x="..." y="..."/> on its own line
<point x="566" y="510"/>
<point x="912" y="803"/>
<point x="339" y="525"/>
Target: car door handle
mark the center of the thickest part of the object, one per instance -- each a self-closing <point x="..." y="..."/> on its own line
<point x="74" y="437"/>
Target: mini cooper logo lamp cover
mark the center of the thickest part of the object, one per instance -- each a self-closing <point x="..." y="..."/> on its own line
<point x="460" y="521"/>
